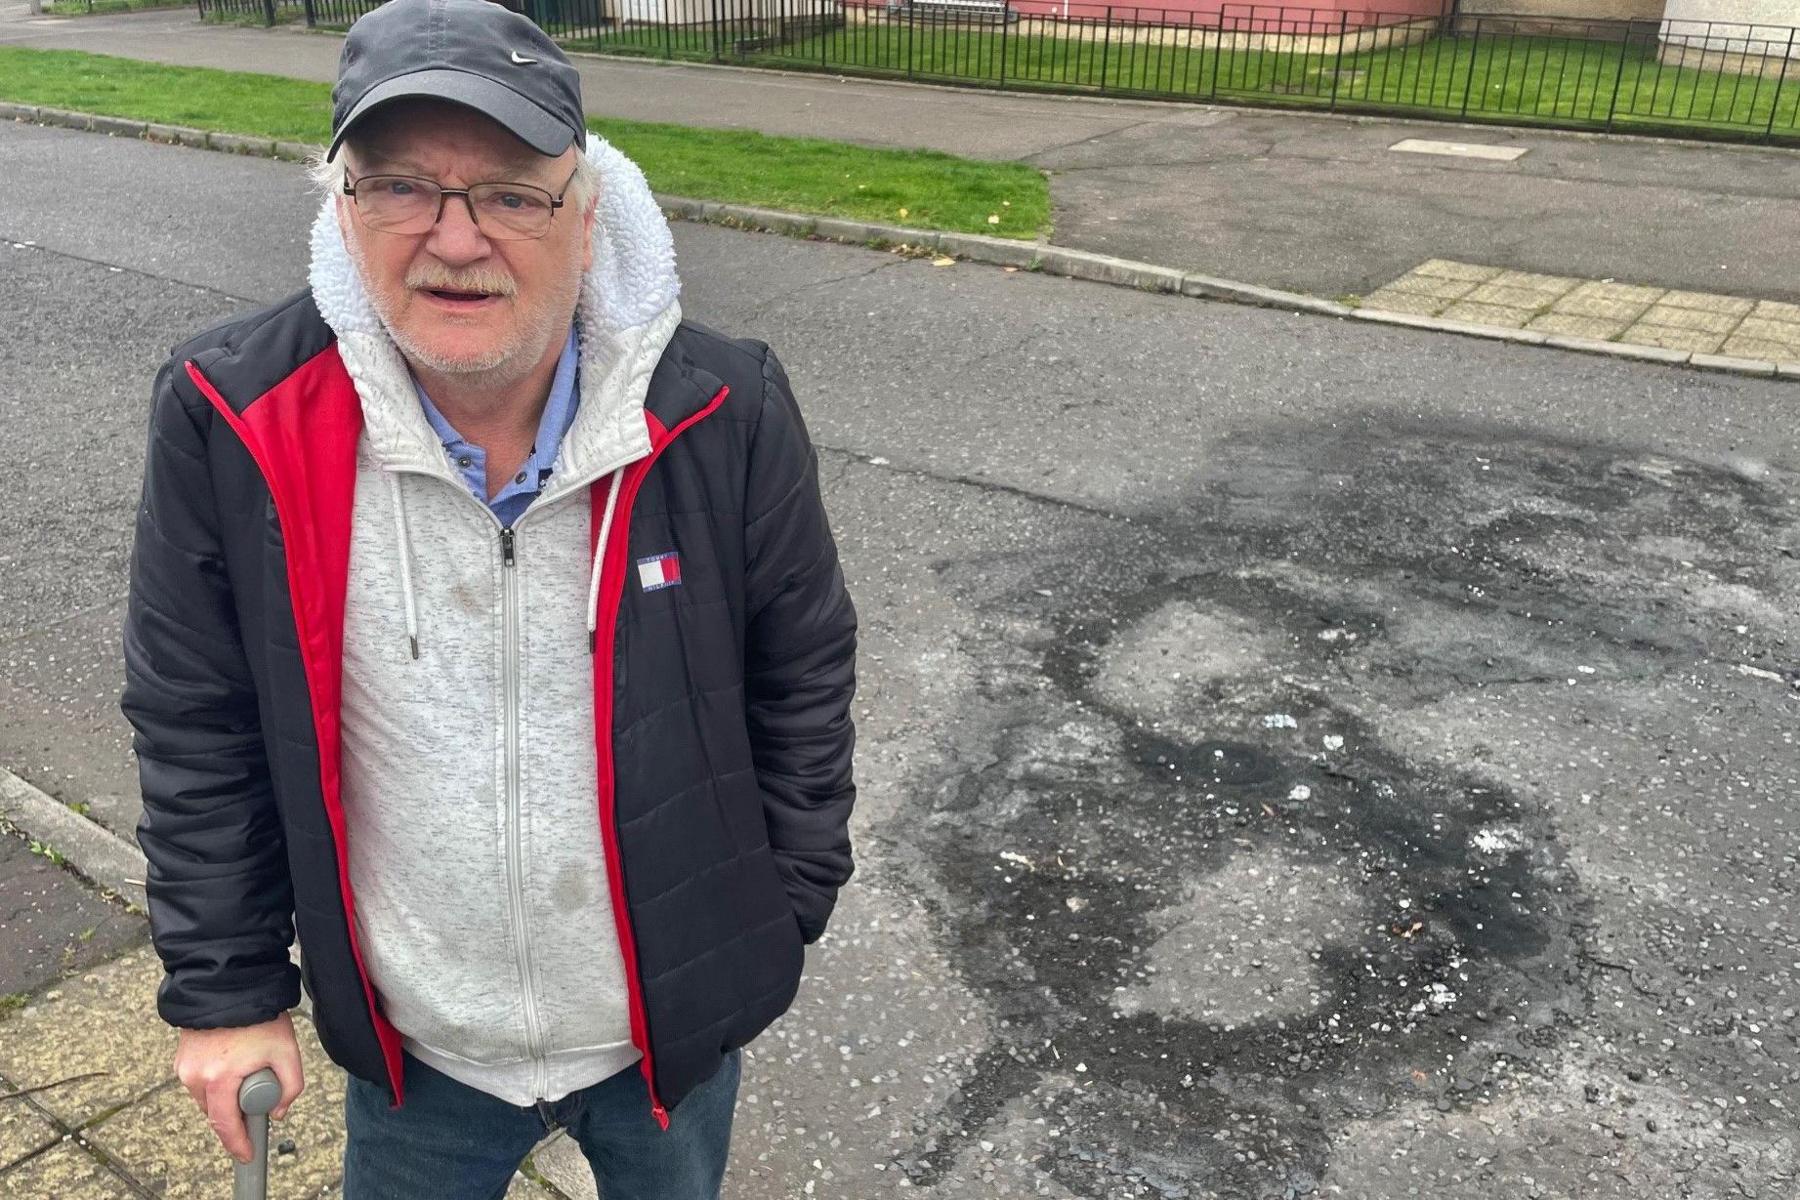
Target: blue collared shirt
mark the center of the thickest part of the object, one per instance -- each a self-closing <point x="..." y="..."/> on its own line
<point x="470" y="460"/>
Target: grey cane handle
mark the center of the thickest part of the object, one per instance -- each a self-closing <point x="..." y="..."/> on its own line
<point x="257" y="1097"/>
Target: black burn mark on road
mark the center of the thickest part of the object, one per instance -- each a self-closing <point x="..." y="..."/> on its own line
<point x="1481" y="527"/>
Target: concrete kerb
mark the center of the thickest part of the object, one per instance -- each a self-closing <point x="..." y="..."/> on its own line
<point x="1035" y="256"/>
<point x="95" y="852"/>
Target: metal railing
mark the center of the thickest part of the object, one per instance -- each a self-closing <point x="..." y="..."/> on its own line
<point x="1711" y="79"/>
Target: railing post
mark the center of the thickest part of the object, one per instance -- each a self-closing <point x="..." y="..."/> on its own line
<point x="1612" y="110"/>
<point x="269" y="12"/>
<point x="1775" y="104"/>
<point x="1474" y="57"/>
<point x="1337" y="68"/>
<point x="1006" y="19"/>
<point x="718" y="31"/>
<point x="909" y="39"/>
<point x="1218" y="53"/>
<point x="1106" y="48"/>
<point x="312" y="15"/>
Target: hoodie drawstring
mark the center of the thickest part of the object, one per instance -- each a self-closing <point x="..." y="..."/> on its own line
<point x="410" y="600"/>
<point x="606" y="520"/>
<point x="406" y="580"/>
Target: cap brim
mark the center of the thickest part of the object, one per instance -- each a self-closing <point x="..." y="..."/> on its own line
<point x="520" y="117"/>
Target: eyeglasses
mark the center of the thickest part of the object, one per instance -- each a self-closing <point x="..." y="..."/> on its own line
<point x="407" y="204"/>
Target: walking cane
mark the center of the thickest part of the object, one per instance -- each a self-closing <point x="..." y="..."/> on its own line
<point x="257" y="1096"/>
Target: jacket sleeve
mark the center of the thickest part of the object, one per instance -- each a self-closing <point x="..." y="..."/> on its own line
<point x="800" y="660"/>
<point x="220" y="897"/>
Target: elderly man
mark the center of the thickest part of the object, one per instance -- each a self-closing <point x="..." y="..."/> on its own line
<point x="486" y="631"/>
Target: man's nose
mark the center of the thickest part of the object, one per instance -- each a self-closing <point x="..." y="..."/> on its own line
<point x="456" y="237"/>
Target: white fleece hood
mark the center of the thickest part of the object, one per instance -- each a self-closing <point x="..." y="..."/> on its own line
<point x="627" y="311"/>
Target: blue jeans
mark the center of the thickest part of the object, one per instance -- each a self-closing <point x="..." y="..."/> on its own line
<point x="450" y="1141"/>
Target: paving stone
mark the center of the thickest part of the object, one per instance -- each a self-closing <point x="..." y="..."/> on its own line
<point x="1767" y="330"/>
<point x="1431" y="285"/>
<point x="1697" y="340"/>
<point x="1416" y="303"/>
<point x="1557" y="284"/>
<point x="166" y="1143"/>
<point x="1603" y="328"/>
<point x="1699" y="320"/>
<point x="1583" y="303"/>
<point x="66" y="1172"/>
<point x="1508" y="315"/>
<point x="1623" y="293"/>
<point x="560" y="1160"/>
<point x="22" y="1130"/>
<point x="1513" y="296"/>
<point x="1735" y="306"/>
<point x="523" y="1188"/>
<point x="1776" y="310"/>
<point x="103" y="1021"/>
<point x="1444" y="268"/>
<point x="1739" y="346"/>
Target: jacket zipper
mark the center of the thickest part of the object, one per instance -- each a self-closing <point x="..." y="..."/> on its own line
<point x="607" y="627"/>
<point x="515" y="818"/>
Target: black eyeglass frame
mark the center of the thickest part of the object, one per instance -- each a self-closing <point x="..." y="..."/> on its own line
<point x="556" y="199"/>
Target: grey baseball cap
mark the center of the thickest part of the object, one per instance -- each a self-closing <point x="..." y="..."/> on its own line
<point x="469" y="52"/>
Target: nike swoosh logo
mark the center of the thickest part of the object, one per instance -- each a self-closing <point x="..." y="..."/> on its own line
<point x="520" y="59"/>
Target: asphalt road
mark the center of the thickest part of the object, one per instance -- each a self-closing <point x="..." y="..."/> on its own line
<point x="1297" y="201"/>
<point x="1299" y="758"/>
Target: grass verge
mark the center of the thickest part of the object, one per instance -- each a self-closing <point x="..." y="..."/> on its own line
<point x="812" y="175"/>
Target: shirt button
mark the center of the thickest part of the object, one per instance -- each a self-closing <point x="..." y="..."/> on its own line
<point x="519" y="478"/>
<point x="465" y="462"/>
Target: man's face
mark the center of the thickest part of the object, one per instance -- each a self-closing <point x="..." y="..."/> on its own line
<point x="529" y="287"/>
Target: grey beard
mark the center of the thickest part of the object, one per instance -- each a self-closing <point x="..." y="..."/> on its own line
<point x="500" y="368"/>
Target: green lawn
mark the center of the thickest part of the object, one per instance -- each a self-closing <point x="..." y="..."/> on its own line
<point x="1519" y="78"/>
<point x="908" y="187"/>
<point x="82" y="8"/>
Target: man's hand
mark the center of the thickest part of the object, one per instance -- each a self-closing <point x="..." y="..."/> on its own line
<point x="211" y="1063"/>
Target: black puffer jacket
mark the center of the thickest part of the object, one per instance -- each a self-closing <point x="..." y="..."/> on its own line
<point x="233" y="646"/>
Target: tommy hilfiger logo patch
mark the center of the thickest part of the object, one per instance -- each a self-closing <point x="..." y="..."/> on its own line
<point x="659" y="571"/>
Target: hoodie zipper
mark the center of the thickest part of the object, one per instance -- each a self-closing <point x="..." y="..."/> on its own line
<point x="515" y="865"/>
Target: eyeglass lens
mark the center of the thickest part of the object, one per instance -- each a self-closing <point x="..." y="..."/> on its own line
<point x="400" y="204"/>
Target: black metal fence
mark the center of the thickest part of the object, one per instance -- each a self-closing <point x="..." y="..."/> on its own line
<point x="1700" y="78"/>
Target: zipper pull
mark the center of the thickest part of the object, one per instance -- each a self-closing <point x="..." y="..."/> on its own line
<point x="662" y="1116"/>
<point x="506" y="546"/>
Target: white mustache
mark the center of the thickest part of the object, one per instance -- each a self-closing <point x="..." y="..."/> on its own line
<point x="492" y="285"/>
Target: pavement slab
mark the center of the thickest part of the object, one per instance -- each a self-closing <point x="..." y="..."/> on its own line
<point x="1673" y="337"/>
<point x="1666" y="314"/>
<point x="1601" y="310"/>
<point x="66" y="1171"/>
<point x="1479" y="313"/>
<point x="23" y="1130"/>
<point x="92" y="1043"/>
<point x="1557" y="320"/>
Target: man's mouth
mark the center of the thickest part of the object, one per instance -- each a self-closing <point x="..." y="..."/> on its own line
<point x="458" y="298"/>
